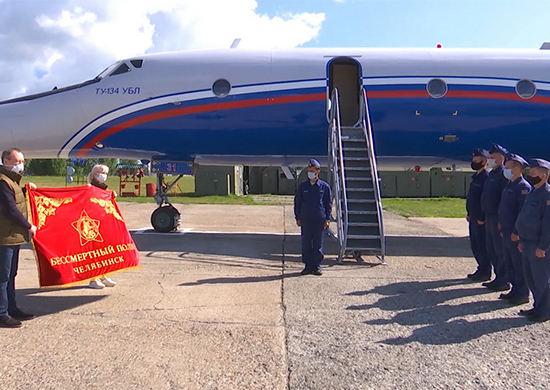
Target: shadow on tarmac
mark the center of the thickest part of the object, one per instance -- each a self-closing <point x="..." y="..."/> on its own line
<point x="419" y="246"/>
<point x="249" y="279"/>
<point x="422" y="303"/>
<point x="274" y="247"/>
<point x="29" y="300"/>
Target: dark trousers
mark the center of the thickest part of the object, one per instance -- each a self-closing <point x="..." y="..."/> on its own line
<point x="537" y="272"/>
<point x="494" y="248"/>
<point x="479" y="248"/>
<point x="514" y="266"/>
<point x="9" y="261"/>
<point x="313" y="236"/>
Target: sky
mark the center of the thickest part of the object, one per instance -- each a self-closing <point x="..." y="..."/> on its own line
<point x="47" y="43"/>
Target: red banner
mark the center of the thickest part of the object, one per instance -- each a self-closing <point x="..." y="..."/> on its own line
<point x="81" y="235"/>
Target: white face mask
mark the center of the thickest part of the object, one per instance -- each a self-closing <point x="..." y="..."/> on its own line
<point x="311" y="175"/>
<point x="491" y="163"/>
<point x="102" y="177"/>
<point x="19" y="168"/>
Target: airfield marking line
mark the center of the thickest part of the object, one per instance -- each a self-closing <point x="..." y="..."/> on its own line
<point x="183" y="231"/>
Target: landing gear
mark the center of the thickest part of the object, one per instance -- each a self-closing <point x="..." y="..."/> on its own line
<point x="166" y="217"/>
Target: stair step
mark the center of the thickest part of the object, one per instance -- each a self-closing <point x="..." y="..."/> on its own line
<point x="363" y="237"/>
<point x="349" y="139"/>
<point x="356" y="159"/>
<point x="361" y="224"/>
<point x="358" y="178"/>
<point x="354" y="149"/>
<point x="361" y="189"/>
<point x="361" y="201"/>
<point x="356" y="168"/>
<point x="357" y="212"/>
<point x="362" y="249"/>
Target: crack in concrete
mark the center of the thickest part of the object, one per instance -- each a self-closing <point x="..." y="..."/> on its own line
<point x="162" y="293"/>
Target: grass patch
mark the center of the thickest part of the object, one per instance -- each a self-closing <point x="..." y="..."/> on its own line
<point x="186" y="185"/>
<point x="183" y="194"/>
<point x="429" y="208"/>
<point x="193" y="199"/>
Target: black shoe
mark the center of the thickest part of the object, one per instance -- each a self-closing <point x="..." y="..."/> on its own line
<point x="506" y="296"/>
<point x="537" y="318"/>
<point x="478" y="277"/>
<point x="527" y="313"/>
<point x="317" y="272"/>
<point x="21" y="315"/>
<point x="9" y="322"/>
<point x="496" y="286"/>
<point x="518" y="300"/>
<point x="306" y="271"/>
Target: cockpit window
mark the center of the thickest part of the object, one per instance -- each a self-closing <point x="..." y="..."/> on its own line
<point x="108" y="70"/>
<point x="123" y="68"/>
<point x="137" y="63"/>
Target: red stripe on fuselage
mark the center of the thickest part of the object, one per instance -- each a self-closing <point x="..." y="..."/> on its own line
<point x="457" y="94"/>
<point x="196" y="110"/>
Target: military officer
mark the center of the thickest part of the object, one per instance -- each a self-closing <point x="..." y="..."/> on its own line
<point x="490" y="200"/>
<point x="533" y="227"/>
<point x="312" y="209"/>
<point x="513" y="197"/>
<point x="476" y="216"/>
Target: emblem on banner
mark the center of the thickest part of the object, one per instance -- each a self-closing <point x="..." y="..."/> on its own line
<point x="46" y="207"/>
<point x="108" y="207"/>
<point x="87" y="228"/>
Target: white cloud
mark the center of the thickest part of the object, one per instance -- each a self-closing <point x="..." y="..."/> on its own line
<point x="61" y="42"/>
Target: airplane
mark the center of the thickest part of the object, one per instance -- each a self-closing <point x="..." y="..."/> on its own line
<point x="276" y="107"/>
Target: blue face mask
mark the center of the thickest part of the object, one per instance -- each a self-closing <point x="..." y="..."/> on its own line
<point x="508" y="174"/>
<point x="311" y="175"/>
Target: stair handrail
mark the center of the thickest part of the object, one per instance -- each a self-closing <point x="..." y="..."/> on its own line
<point x="339" y="176"/>
<point x="374" y="167"/>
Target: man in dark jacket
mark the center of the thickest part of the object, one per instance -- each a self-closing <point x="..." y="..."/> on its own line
<point x="476" y="216"/>
<point x="533" y="227"/>
<point x="312" y="210"/>
<point x="513" y="197"/>
<point x="490" y="200"/>
<point x="15" y="230"/>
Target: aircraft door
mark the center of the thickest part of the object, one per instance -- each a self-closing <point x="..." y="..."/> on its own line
<point x="345" y="75"/>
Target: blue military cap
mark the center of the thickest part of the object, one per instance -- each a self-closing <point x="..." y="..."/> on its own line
<point x="517" y="158"/>
<point x="496" y="148"/>
<point x="314" y="163"/>
<point x="480" y="153"/>
<point x="539" y="163"/>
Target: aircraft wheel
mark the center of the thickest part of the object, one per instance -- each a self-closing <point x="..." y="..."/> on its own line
<point x="165" y="219"/>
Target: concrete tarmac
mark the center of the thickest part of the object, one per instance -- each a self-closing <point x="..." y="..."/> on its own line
<point x="221" y="305"/>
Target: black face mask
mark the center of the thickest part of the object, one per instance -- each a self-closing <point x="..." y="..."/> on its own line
<point x="476" y="165"/>
<point x="534" y="180"/>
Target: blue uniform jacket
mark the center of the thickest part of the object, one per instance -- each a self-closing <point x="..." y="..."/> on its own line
<point x="313" y="202"/>
<point x="533" y="223"/>
<point x="490" y="199"/>
<point x="513" y="197"/>
<point x="473" y="199"/>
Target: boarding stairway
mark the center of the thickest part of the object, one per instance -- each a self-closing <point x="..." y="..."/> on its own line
<point x="360" y="229"/>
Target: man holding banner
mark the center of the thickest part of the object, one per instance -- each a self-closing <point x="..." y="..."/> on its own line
<point x="15" y="230"/>
<point x="80" y="236"/>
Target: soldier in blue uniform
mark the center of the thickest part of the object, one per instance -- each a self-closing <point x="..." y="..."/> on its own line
<point x="513" y="197"/>
<point x="490" y="200"/>
<point x="533" y="227"/>
<point x="312" y="210"/>
<point x="476" y="216"/>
